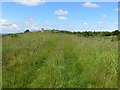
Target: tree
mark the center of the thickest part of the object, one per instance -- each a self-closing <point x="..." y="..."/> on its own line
<point x="116" y="32"/>
<point x="27" y="31"/>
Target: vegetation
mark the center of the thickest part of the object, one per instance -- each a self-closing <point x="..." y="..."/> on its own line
<point x="60" y="60"/>
<point x="27" y="31"/>
<point x="90" y="33"/>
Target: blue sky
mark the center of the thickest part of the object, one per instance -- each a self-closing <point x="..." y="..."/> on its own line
<point x="71" y="16"/>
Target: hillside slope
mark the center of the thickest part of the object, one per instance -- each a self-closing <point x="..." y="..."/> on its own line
<point x="56" y="60"/>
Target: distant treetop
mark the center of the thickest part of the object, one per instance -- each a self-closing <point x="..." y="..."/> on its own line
<point x="26" y="31"/>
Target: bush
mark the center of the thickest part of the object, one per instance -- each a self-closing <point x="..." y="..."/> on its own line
<point x="87" y="33"/>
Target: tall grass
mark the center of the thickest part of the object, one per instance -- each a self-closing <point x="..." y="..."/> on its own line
<point x="51" y="60"/>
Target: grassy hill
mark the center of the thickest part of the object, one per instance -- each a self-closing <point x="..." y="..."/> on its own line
<point x="59" y="60"/>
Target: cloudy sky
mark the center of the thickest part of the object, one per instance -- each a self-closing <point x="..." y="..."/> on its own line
<point x="71" y="16"/>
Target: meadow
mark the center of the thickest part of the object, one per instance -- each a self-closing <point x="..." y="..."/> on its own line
<point x="59" y="60"/>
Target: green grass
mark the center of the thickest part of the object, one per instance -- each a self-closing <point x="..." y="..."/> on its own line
<point x="56" y="60"/>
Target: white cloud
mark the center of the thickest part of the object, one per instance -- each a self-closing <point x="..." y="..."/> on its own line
<point x="104" y="16"/>
<point x="34" y="28"/>
<point x="102" y="27"/>
<point x="29" y="23"/>
<point x="15" y="26"/>
<point x="4" y="22"/>
<point x="62" y="18"/>
<point x="37" y="28"/>
<point x="30" y="2"/>
<point x="85" y="23"/>
<point x="8" y="26"/>
<point x="117" y="9"/>
<point x="100" y="22"/>
<point x="61" y="12"/>
<point x="88" y="4"/>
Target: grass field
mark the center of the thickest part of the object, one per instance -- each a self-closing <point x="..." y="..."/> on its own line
<point x="56" y="60"/>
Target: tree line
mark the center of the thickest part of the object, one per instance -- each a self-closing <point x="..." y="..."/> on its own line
<point x="90" y="33"/>
<point x="86" y="33"/>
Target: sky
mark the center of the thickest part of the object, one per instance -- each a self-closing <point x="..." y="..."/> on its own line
<point x="70" y="16"/>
